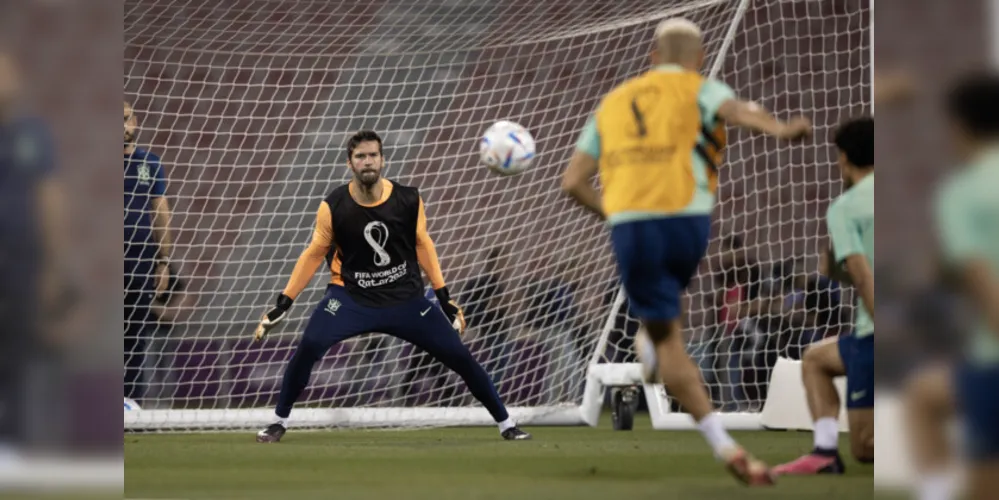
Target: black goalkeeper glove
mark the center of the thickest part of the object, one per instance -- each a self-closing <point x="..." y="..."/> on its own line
<point x="273" y="317"/>
<point x="451" y="309"/>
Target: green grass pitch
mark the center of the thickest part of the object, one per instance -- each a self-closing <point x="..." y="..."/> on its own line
<point x="577" y="463"/>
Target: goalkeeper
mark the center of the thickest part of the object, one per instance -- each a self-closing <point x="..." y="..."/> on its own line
<point x="372" y="233"/>
<point x="656" y="141"/>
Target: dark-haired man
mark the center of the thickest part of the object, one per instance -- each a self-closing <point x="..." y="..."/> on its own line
<point x="850" y="220"/>
<point x="372" y="234"/>
<point x="967" y="220"/>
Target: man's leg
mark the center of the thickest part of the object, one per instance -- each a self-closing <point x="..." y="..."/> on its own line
<point x="432" y="332"/>
<point x="929" y="406"/>
<point x="979" y="402"/>
<point x="326" y="327"/>
<point x="138" y="324"/>
<point x="854" y="357"/>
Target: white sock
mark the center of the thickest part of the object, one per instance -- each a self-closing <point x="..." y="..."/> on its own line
<point x="937" y="486"/>
<point x="826" y="433"/>
<point x="279" y="420"/>
<point x="716" y="435"/>
<point x="507" y="424"/>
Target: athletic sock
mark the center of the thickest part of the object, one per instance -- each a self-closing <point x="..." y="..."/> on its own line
<point x="278" y="419"/>
<point x="506" y="424"/>
<point x="937" y="486"/>
<point x="826" y="435"/>
<point x="715" y="434"/>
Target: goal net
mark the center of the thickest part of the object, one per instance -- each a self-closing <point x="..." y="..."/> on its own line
<point x="249" y="103"/>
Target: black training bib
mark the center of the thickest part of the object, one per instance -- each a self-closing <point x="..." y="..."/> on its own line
<point x="377" y="246"/>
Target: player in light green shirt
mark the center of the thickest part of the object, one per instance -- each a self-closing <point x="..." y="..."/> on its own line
<point x="967" y="213"/>
<point x="850" y="220"/>
<point x="966" y="207"/>
<point x="967" y="221"/>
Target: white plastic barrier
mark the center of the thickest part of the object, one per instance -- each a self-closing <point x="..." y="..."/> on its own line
<point x="786" y="406"/>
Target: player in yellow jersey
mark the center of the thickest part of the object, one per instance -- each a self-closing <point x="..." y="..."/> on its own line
<point x="656" y="141"/>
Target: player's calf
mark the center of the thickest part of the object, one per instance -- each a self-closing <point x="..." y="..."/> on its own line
<point x="862" y="435"/>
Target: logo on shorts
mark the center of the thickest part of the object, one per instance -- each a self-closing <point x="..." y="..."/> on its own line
<point x="376" y="233"/>
<point x="856" y="395"/>
<point x="332" y="306"/>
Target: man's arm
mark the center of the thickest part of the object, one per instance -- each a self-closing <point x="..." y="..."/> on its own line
<point x="161" y="209"/>
<point x="577" y="181"/>
<point x="890" y="88"/>
<point x="980" y="283"/>
<point x="305" y="268"/>
<point x="831" y="269"/>
<point x="52" y="209"/>
<point x="863" y="280"/>
<point x="313" y="255"/>
<point x="754" y="117"/>
<point x="161" y="226"/>
<point x="849" y="250"/>
<point x="426" y="254"/>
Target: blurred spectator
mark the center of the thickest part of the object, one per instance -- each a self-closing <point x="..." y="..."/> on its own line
<point x="812" y="307"/>
<point x="35" y="293"/>
<point x="552" y="312"/>
<point x="738" y="281"/>
<point x="149" y="280"/>
<point x="481" y="298"/>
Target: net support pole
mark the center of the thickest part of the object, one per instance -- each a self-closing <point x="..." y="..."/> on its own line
<point x="733" y="28"/>
<point x="593" y="392"/>
<point x="993" y="28"/>
<point x="871" y="55"/>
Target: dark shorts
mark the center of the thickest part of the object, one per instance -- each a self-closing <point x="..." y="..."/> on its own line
<point x="858" y="358"/>
<point x="656" y="259"/>
<point x="338" y="317"/>
<point x="978" y="395"/>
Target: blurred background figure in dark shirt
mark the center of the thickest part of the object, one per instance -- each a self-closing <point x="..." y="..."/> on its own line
<point x="30" y="229"/>
<point x="149" y="279"/>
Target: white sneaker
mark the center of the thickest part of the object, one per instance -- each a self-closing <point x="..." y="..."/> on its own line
<point x="645" y="349"/>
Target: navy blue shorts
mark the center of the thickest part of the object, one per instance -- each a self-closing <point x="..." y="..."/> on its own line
<point x="656" y="259"/>
<point x="418" y="321"/>
<point x="979" y="399"/>
<point x="858" y="358"/>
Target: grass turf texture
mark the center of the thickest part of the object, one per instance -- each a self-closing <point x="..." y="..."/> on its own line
<point x="577" y="463"/>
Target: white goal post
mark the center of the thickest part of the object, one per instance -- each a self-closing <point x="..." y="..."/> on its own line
<point x="249" y="103"/>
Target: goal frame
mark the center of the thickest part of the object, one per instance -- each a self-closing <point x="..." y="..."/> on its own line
<point x="785" y="407"/>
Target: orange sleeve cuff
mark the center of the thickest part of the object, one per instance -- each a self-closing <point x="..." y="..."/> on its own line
<point x="426" y="253"/>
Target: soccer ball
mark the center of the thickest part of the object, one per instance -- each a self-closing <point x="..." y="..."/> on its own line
<point x="130" y="405"/>
<point x="507" y="148"/>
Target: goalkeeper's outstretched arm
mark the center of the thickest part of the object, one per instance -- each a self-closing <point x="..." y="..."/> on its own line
<point x="305" y="268"/>
<point x="426" y="254"/>
<point x="313" y="255"/>
<point x="752" y="116"/>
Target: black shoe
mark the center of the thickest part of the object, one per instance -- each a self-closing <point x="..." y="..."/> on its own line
<point x="515" y="434"/>
<point x="837" y="467"/>
<point x="271" y="434"/>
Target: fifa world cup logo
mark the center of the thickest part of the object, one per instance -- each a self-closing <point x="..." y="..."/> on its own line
<point x="376" y="233"/>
